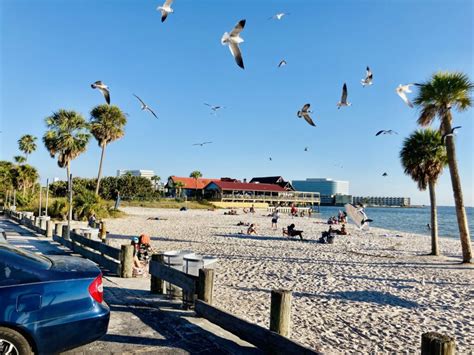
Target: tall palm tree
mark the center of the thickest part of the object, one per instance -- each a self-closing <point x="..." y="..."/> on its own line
<point x="196" y="174"/>
<point x="436" y="98"/>
<point x="19" y="159"/>
<point x="27" y="144"/>
<point x="423" y="157"/>
<point x="106" y="125"/>
<point x="67" y="137"/>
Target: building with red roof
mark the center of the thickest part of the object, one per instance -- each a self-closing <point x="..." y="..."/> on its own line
<point x="187" y="185"/>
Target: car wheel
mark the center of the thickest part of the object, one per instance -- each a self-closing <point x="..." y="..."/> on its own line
<point x="12" y="342"/>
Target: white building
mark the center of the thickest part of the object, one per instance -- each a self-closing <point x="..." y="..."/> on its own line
<point x="325" y="186"/>
<point x="143" y="173"/>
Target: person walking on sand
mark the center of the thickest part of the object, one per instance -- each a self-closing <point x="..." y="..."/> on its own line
<point x="275" y="217"/>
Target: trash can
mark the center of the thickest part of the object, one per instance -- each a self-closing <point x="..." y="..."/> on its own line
<point x="194" y="262"/>
<point x="174" y="260"/>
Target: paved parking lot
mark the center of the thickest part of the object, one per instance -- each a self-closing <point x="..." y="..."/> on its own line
<point x="140" y="322"/>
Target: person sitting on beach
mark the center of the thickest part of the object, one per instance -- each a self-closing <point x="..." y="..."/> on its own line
<point x="343" y="230"/>
<point x="292" y="232"/>
<point x="243" y="223"/>
<point x="327" y="236"/>
<point x="252" y="230"/>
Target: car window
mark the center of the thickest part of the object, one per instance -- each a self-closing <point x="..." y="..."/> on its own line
<point x="11" y="275"/>
<point x="26" y="257"/>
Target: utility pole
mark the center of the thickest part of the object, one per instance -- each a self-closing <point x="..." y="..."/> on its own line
<point x="14" y="198"/>
<point x="47" y="196"/>
<point x="40" y="201"/>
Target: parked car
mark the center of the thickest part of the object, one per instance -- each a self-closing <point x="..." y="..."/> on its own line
<point x="48" y="304"/>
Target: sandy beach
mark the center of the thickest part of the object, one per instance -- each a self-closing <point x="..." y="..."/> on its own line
<point x="373" y="291"/>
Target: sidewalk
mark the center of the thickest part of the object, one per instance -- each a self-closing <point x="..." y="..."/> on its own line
<point x="140" y="322"/>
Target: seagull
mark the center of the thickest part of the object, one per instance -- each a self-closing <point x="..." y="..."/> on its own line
<point x="451" y="133"/>
<point x="232" y="40"/>
<point x="305" y="114"/>
<point x="343" y="101"/>
<point x="384" y="174"/>
<point x="278" y="16"/>
<point x="402" y="90"/>
<point x="390" y="131"/>
<point x="214" y="108"/>
<point x="282" y="63"/>
<point x="145" y="106"/>
<point x="306" y="149"/>
<point x="202" y="144"/>
<point x="270" y="158"/>
<point x="103" y="88"/>
<point x="165" y="9"/>
<point x="368" y="78"/>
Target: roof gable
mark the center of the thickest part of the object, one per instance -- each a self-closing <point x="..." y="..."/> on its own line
<point x="247" y="186"/>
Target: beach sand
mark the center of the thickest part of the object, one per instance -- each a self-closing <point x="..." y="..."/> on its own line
<point x="368" y="292"/>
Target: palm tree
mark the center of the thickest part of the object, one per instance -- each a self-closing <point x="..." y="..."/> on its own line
<point x="196" y="174"/>
<point x="436" y="97"/>
<point x="423" y="157"/>
<point x="27" y="144"/>
<point x="106" y="125"/>
<point x="178" y="185"/>
<point x="156" y="179"/>
<point x="66" y="137"/>
<point x="26" y="177"/>
<point x="19" y="159"/>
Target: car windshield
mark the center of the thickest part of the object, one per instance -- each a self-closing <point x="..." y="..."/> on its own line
<point x="43" y="261"/>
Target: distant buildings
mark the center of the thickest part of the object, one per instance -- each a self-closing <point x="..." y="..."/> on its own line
<point x="143" y="173"/>
<point x="382" y="201"/>
<point x="333" y="192"/>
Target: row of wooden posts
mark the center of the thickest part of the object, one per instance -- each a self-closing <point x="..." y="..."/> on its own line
<point x="198" y="293"/>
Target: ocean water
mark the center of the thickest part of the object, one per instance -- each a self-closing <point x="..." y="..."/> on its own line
<point x="411" y="220"/>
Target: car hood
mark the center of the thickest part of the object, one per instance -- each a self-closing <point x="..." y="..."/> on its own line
<point x="65" y="266"/>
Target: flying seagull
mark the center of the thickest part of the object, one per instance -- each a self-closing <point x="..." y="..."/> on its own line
<point x="278" y="16"/>
<point x="305" y="114"/>
<point x="214" y="108"/>
<point x="145" y="106"/>
<point x="402" y="90"/>
<point x="343" y="101"/>
<point x="368" y="78"/>
<point x="451" y="133"/>
<point x="202" y="144"/>
<point x="282" y="63"/>
<point x="270" y="158"/>
<point x="384" y="174"/>
<point x="390" y="131"/>
<point x="103" y="88"/>
<point x="232" y="40"/>
<point x="306" y="149"/>
<point x="165" y="9"/>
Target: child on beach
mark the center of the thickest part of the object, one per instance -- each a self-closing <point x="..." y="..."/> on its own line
<point x="252" y="230"/>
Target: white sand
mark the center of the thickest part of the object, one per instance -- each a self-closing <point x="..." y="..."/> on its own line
<point x="365" y="293"/>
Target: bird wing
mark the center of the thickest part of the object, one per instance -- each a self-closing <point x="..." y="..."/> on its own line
<point x="369" y="74"/>
<point x="379" y="132"/>
<point x="344" y="94"/>
<point x="106" y="94"/>
<point x="404" y="97"/>
<point x="283" y="62"/>
<point x="238" y="28"/>
<point x="197" y="144"/>
<point x="151" y="111"/>
<point x="207" y="104"/>
<point x="308" y="119"/>
<point x="206" y="142"/>
<point x="144" y="104"/>
<point x="168" y="3"/>
<point x="454" y="128"/>
<point x="235" y="50"/>
<point x="305" y="108"/>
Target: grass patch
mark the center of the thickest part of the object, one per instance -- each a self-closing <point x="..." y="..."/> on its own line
<point x="168" y="204"/>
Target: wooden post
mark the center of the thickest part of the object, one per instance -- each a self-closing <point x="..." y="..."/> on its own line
<point x="206" y="285"/>
<point x="434" y="343"/>
<point x="49" y="229"/>
<point x="157" y="285"/>
<point x="102" y="232"/>
<point x="126" y="261"/>
<point x="280" y="310"/>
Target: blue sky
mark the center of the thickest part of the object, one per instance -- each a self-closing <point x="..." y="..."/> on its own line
<point x="52" y="50"/>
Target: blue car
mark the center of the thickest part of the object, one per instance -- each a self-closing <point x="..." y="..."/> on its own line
<point x="48" y="304"/>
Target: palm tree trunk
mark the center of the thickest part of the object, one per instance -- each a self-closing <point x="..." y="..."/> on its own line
<point x="434" y="220"/>
<point x="100" y="168"/>
<point x="457" y="191"/>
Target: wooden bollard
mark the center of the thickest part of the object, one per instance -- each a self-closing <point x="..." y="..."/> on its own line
<point x="49" y="229"/>
<point x="434" y="343"/>
<point x="157" y="285"/>
<point x="206" y="285"/>
<point x="103" y="231"/>
<point x="280" y="312"/>
<point x="126" y="261"/>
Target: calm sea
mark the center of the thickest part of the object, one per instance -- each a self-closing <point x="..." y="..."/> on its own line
<point x="411" y="220"/>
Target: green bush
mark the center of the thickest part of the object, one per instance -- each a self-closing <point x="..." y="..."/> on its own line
<point x="58" y="208"/>
<point x="87" y="203"/>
